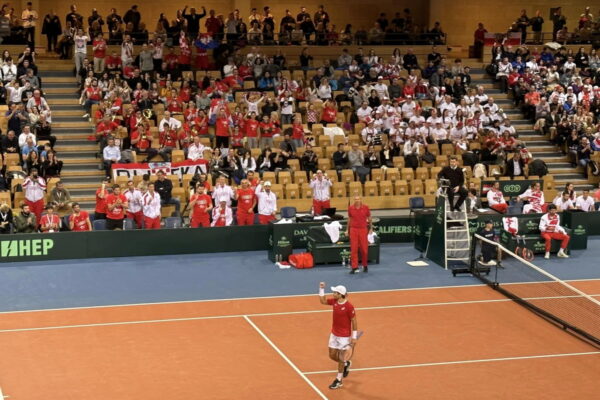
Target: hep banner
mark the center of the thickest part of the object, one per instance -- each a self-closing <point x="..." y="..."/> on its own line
<point x="170" y="168"/>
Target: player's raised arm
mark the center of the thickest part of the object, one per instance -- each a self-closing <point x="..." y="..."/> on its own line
<point x="322" y="297"/>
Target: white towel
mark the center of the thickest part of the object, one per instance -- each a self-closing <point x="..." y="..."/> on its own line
<point x="371" y="237"/>
<point x="333" y="230"/>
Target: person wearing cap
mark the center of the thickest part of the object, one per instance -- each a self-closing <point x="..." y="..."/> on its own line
<point x="50" y="222"/>
<point x="321" y="187"/>
<point x="550" y="229"/>
<point x="344" y="329"/>
<point x="151" y="208"/>
<point x="222" y="215"/>
<point x="358" y="228"/>
<point x="488" y="250"/>
<point x="34" y="187"/>
<point x="267" y="203"/>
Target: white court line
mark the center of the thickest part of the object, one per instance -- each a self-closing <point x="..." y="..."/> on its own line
<point x="263" y="297"/>
<point x="237" y="299"/>
<point x="485" y="360"/>
<point x="154" y="321"/>
<point x="270" y="342"/>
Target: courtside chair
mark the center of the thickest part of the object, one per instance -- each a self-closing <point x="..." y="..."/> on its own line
<point x="173" y="222"/>
<point x="99" y="224"/>
<point x="288" y="212"/>
<point x="416" y="203"/>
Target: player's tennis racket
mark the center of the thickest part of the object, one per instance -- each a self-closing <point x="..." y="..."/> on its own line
<point x="348" y="351"/>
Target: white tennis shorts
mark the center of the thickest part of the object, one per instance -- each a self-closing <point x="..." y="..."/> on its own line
<point x="339" y="343"/>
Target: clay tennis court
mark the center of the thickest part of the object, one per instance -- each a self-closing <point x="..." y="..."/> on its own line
<point x="447" y="343"/>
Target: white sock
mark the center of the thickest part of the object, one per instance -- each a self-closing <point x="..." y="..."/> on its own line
<point x="340" y="375"/>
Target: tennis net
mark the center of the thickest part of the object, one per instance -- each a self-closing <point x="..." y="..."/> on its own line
<point x="536" y="289"/>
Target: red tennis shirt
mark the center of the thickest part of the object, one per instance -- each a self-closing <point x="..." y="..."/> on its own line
<point x="342" y="318"/>
<point x="359" y="217"/>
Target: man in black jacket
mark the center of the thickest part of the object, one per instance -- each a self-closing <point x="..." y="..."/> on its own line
<point x="516" y="166"/>
<point x="455" y="175"/>
<point x="193" y="20"/>
<point x="164" y="187"/>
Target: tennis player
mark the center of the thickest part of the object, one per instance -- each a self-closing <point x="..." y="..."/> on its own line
<point x="344" y="331"/>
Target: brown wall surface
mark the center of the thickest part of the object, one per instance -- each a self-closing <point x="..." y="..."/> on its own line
<point x="460" y="18"/>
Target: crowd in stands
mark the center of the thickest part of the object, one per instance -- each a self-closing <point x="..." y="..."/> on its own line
<point x="207" y="29"/>
<point x="559" y="91"/>
<point x="253" y="119"/>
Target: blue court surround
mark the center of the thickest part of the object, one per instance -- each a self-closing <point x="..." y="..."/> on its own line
<point x="116" y="281"/>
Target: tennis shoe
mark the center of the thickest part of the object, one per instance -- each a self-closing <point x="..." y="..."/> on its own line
<point x="562" y="254"/>
<point x="347" y="365"/>
<point x="547" y="255"/>
<point x="354" y="271"/>
<point x="365" y="269"/>
<point x="336" y="384"/>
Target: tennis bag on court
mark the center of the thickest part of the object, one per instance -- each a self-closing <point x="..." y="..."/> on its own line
<point x="301" y="260"/>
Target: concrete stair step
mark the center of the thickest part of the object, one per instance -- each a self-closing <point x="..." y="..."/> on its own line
<point x="88" y="166"/>
<point x="81" y="123"/>
<point x="53" y="67"/>
<point x="83" y="186"/>
<point x="90" y="175"/>
<point x="534" y="142"/>
<point x="541" y="149"/>
<point x="75" y="117"/>
<point x="72" y="136"/>
<point x="73" y="129"/>
<point x="52" y="92"/>
<point x="84" y="181"/>
<point x="71" y="84"/>
<point x="573" y="176"/>
<point x="84" y="198"/>
<point x="83" y="192"/>
<point x="58" y="74"/>
<point x="68" y="107"/>
<point x="72" y="112"/>
<point x="60" y="147"/>
<point x="68" y="155"/>
<point x="69" y="93"/>
<point x="48" y="80"/>
<point x="71" y="101"/>
<point x="81" y="161"/>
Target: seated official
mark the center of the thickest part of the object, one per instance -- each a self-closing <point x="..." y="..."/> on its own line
<point x="516" y="166"/>
<point x="454" y="174"/>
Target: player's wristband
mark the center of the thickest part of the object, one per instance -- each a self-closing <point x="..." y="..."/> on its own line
<point x="321" y="292"/>
<point x="354" y="335"/>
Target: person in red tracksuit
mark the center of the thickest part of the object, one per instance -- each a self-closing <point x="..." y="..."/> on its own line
<point x="550" y="229"/>
<point x="201" y="204"/>
<point x="359" y="226"/>
<point x="246" y="201"/>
